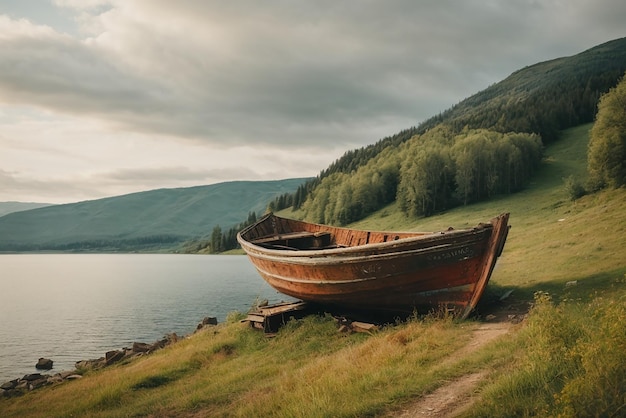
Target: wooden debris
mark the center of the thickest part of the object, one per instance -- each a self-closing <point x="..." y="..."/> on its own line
<point x="349" y="326"/>
<point x="270" y="318"/>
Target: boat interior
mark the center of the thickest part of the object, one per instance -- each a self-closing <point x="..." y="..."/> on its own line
<point x="323" y="240"/>
<point x="287" y="234"/>
<point x="298" y="241"/>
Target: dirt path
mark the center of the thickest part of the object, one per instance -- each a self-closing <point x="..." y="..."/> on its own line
<point x="453" y="397"/>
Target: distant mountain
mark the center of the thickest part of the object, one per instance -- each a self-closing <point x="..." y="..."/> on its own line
<point x="10" y="207"/>
<point x="153" y="219"/>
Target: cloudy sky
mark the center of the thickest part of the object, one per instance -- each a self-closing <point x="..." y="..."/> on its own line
<point x="107" y="97"/>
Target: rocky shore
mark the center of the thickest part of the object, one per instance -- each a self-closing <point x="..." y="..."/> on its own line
<point x="29" y="382"/>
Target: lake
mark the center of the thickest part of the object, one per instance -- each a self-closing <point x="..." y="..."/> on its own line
<point x="70" y="307"/>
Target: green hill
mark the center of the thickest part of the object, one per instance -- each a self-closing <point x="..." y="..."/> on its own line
<point x="152" y="219"/>
<point x="10" y="207"/>
<point x="543" y="98"/>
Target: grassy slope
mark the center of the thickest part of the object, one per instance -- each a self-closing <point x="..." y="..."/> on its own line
<point x="311" y="370"/>
<point x="571" y="238"/>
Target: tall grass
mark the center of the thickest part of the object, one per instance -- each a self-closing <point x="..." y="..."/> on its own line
<point x="571" y="362"/>
<point x="307" y="370"/>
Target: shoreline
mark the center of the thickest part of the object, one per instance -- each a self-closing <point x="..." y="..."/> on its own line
<point x="32" y="381"/>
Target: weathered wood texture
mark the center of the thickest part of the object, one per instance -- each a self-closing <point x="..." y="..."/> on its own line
<point x="376" y="270"/>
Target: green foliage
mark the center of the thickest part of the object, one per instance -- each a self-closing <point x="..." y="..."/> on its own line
<point x="220" y="241"/>
<point x="599" y="356"/>
<point x="283" y="201"/>
<point x="543" y="98"/>
<point x="109" y="398"/>
<point x="429" y="173"/>
<point x="490" y="163"/>
<point x="573" y="362"/>
<point x="574" y="188"/>
<point x="342" y="198"/>
<point x="607" y="145"/>
<point x="216" y="240"/>
<point x="426" y="179"/>
<point x="352" y="160"/>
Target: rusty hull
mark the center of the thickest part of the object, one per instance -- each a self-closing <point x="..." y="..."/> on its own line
<point x="377" y="271"/>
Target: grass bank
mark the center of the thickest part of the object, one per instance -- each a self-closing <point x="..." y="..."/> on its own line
<point x="564" y="258"/>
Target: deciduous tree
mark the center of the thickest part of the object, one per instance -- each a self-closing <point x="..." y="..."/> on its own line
<point x="607" y="145"/>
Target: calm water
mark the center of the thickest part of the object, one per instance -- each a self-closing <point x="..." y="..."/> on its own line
<point x="71" y="307"/>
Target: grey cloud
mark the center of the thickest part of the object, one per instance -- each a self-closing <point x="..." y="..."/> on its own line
<point x="62" y="74"/>
<point x="49" y="190"/>
<point x="59" y="190"/>
<point x="158" y="175"/>
<point x="291" y="73"/>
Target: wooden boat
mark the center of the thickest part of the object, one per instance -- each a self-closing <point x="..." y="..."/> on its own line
<point x="376" y="271"/>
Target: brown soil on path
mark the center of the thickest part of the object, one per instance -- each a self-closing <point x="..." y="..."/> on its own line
<point x="447" y="401"/>
<point x="455" y="396"/>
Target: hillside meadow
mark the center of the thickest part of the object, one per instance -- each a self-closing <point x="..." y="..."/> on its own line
<point x="564" y="265"/>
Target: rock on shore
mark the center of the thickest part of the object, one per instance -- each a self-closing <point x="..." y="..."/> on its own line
<point x="33" y="381"/>
<point x="44" y="364"/>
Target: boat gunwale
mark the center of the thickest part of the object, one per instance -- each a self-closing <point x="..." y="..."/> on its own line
<point x="422" y="237"/>
<point x="343" y="257"/>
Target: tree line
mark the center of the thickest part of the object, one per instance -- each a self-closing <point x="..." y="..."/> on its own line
<point x="219" y="240"/>
<point x="347" y="163"/>
<point x="104" y="244"/>
<point x="429" y="173"/>
<point x="564" y="103"/>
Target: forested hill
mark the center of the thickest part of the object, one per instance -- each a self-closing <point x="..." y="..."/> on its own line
<point x="537" y="101"/>
<point x="153" y="219"/>
<point x="543" y="98"/>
